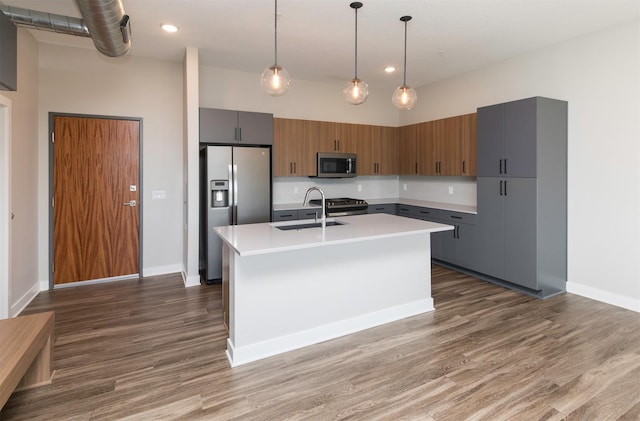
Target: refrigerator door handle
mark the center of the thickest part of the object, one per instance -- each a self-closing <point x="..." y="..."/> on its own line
<point x="235" y="194"/>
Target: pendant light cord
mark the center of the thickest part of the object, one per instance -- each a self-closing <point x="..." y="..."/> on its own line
<point x="356" y="55"/>
<point x="404" y="80"/>
<point x="275" y="25"/>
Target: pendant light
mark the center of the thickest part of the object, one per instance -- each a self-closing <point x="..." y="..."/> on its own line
<point x="405" y="97"/>
<point x="356" y="91"/>
<point x="275" y="79"/>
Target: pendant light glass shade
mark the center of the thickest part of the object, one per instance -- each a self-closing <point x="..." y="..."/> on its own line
<point x="356" y="91"/>
<point x="404" y="97"/>
<point x="275" y="79"/>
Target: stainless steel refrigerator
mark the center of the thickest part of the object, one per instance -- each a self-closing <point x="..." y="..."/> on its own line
<point x="237" y="190"/>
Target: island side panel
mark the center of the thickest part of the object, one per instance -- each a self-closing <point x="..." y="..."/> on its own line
<point x="287" y="300"/>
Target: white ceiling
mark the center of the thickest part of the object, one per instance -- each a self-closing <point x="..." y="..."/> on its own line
<point x="316" y="37"/>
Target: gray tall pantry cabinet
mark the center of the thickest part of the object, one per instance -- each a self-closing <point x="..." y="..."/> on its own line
<point x="522" y="194"/>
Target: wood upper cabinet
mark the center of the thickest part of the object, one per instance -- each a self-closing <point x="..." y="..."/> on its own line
<point x="408" y="148"/>
<point x="338" y="137"/>
<point x="440" y="146"/>
<point x="447" y="146"/>
<point x="468" y="145"/>
<point x="295" y="144"/>
<point x="378" y="152"/>
<point x="427" y="149"/>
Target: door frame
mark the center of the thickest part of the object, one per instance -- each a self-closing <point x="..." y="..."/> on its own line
<point x="52" y="115"/>
<point x="5" y="206"/>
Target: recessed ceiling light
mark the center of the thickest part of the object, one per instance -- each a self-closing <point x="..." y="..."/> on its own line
<point x="389" y="69"/>
<point x="169" y="28"/>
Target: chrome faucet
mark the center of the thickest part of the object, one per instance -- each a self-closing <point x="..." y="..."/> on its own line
<point x="323" y="219"/>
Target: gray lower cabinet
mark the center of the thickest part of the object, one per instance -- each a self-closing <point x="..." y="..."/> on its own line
<point x="390" y="208"/>
<point x="294" y="214"/>
<point x="235" y="127"/>
<point x="507" y="229"/>
<point x="457" y="247"/>
<point x="285" y="215"/>
<point x="309" y="213"/>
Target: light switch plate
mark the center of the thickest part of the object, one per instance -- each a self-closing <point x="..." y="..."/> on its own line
<point x="450" y="189"/>
<point x="158" y="195"/>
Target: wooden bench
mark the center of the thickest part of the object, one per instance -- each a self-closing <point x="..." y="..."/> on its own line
<point x="26" y="353"/>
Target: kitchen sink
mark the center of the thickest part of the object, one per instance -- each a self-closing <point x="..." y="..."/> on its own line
<point x="307" y="225"/>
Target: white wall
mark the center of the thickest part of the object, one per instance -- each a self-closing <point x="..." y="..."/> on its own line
<point x="23" y="276"/>
<point x="599" y="76"/>
<point x="74" y="80"/>
<point x="305" y="100"/>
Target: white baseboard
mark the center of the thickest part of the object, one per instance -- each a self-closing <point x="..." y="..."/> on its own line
<point x="24" y="301"/>
<point x="256" y="351"/>
<point x="632" y="304"/>
<point x="161" y="270"/>
<point x="190" y="281"/>
<point x="44" y="285"/>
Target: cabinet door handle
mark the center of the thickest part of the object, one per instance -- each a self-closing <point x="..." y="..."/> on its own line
<point x="505" y="166"/>
<point x="458" y="232"/>
<point x="501" y="166"/>
<point x="456" y="217"/>
<point x="501" y="186"/>
<point x="416" y="168"/>
<point x="505" y="187"/>
<point x="464" y="167"/>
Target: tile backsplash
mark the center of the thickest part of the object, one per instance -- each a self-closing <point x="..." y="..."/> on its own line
<point x="459" y="190"/>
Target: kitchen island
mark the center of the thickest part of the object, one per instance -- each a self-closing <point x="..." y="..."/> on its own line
<point x="295" y="287"/>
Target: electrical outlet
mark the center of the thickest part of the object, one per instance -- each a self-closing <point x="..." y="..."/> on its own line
<point x="450" y="189"/>
<point x="295" y="190"/>
<point x="404" y="186"/>
<point x="359" y="187"/>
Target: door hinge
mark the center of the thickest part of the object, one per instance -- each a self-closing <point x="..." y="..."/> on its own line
<point x="53" y="137"/>
<point x="52" y="267"/>
<point x="53" y="202"/>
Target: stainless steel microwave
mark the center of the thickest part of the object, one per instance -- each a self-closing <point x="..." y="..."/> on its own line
<point x="336" y="165"/>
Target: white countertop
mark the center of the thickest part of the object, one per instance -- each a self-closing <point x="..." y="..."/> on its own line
<point x="264" y="238"/>
<point x="422" y="203"/>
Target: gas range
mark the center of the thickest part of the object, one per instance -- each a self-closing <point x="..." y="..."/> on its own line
<point x="342" y="206"/>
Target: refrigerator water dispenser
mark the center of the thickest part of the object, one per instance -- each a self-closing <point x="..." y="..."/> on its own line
<point x="219" y="193"/>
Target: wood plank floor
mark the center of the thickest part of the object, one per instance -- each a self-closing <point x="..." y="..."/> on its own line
<point x="151" y="349"/>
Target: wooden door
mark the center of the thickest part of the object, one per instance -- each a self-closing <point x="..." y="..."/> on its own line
<point x="95" y="198"/>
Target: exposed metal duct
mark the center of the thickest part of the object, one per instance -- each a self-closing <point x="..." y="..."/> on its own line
<point x="46" y="21"/>
<point x="103" y="20"/>
<point x="108" y="25"/>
